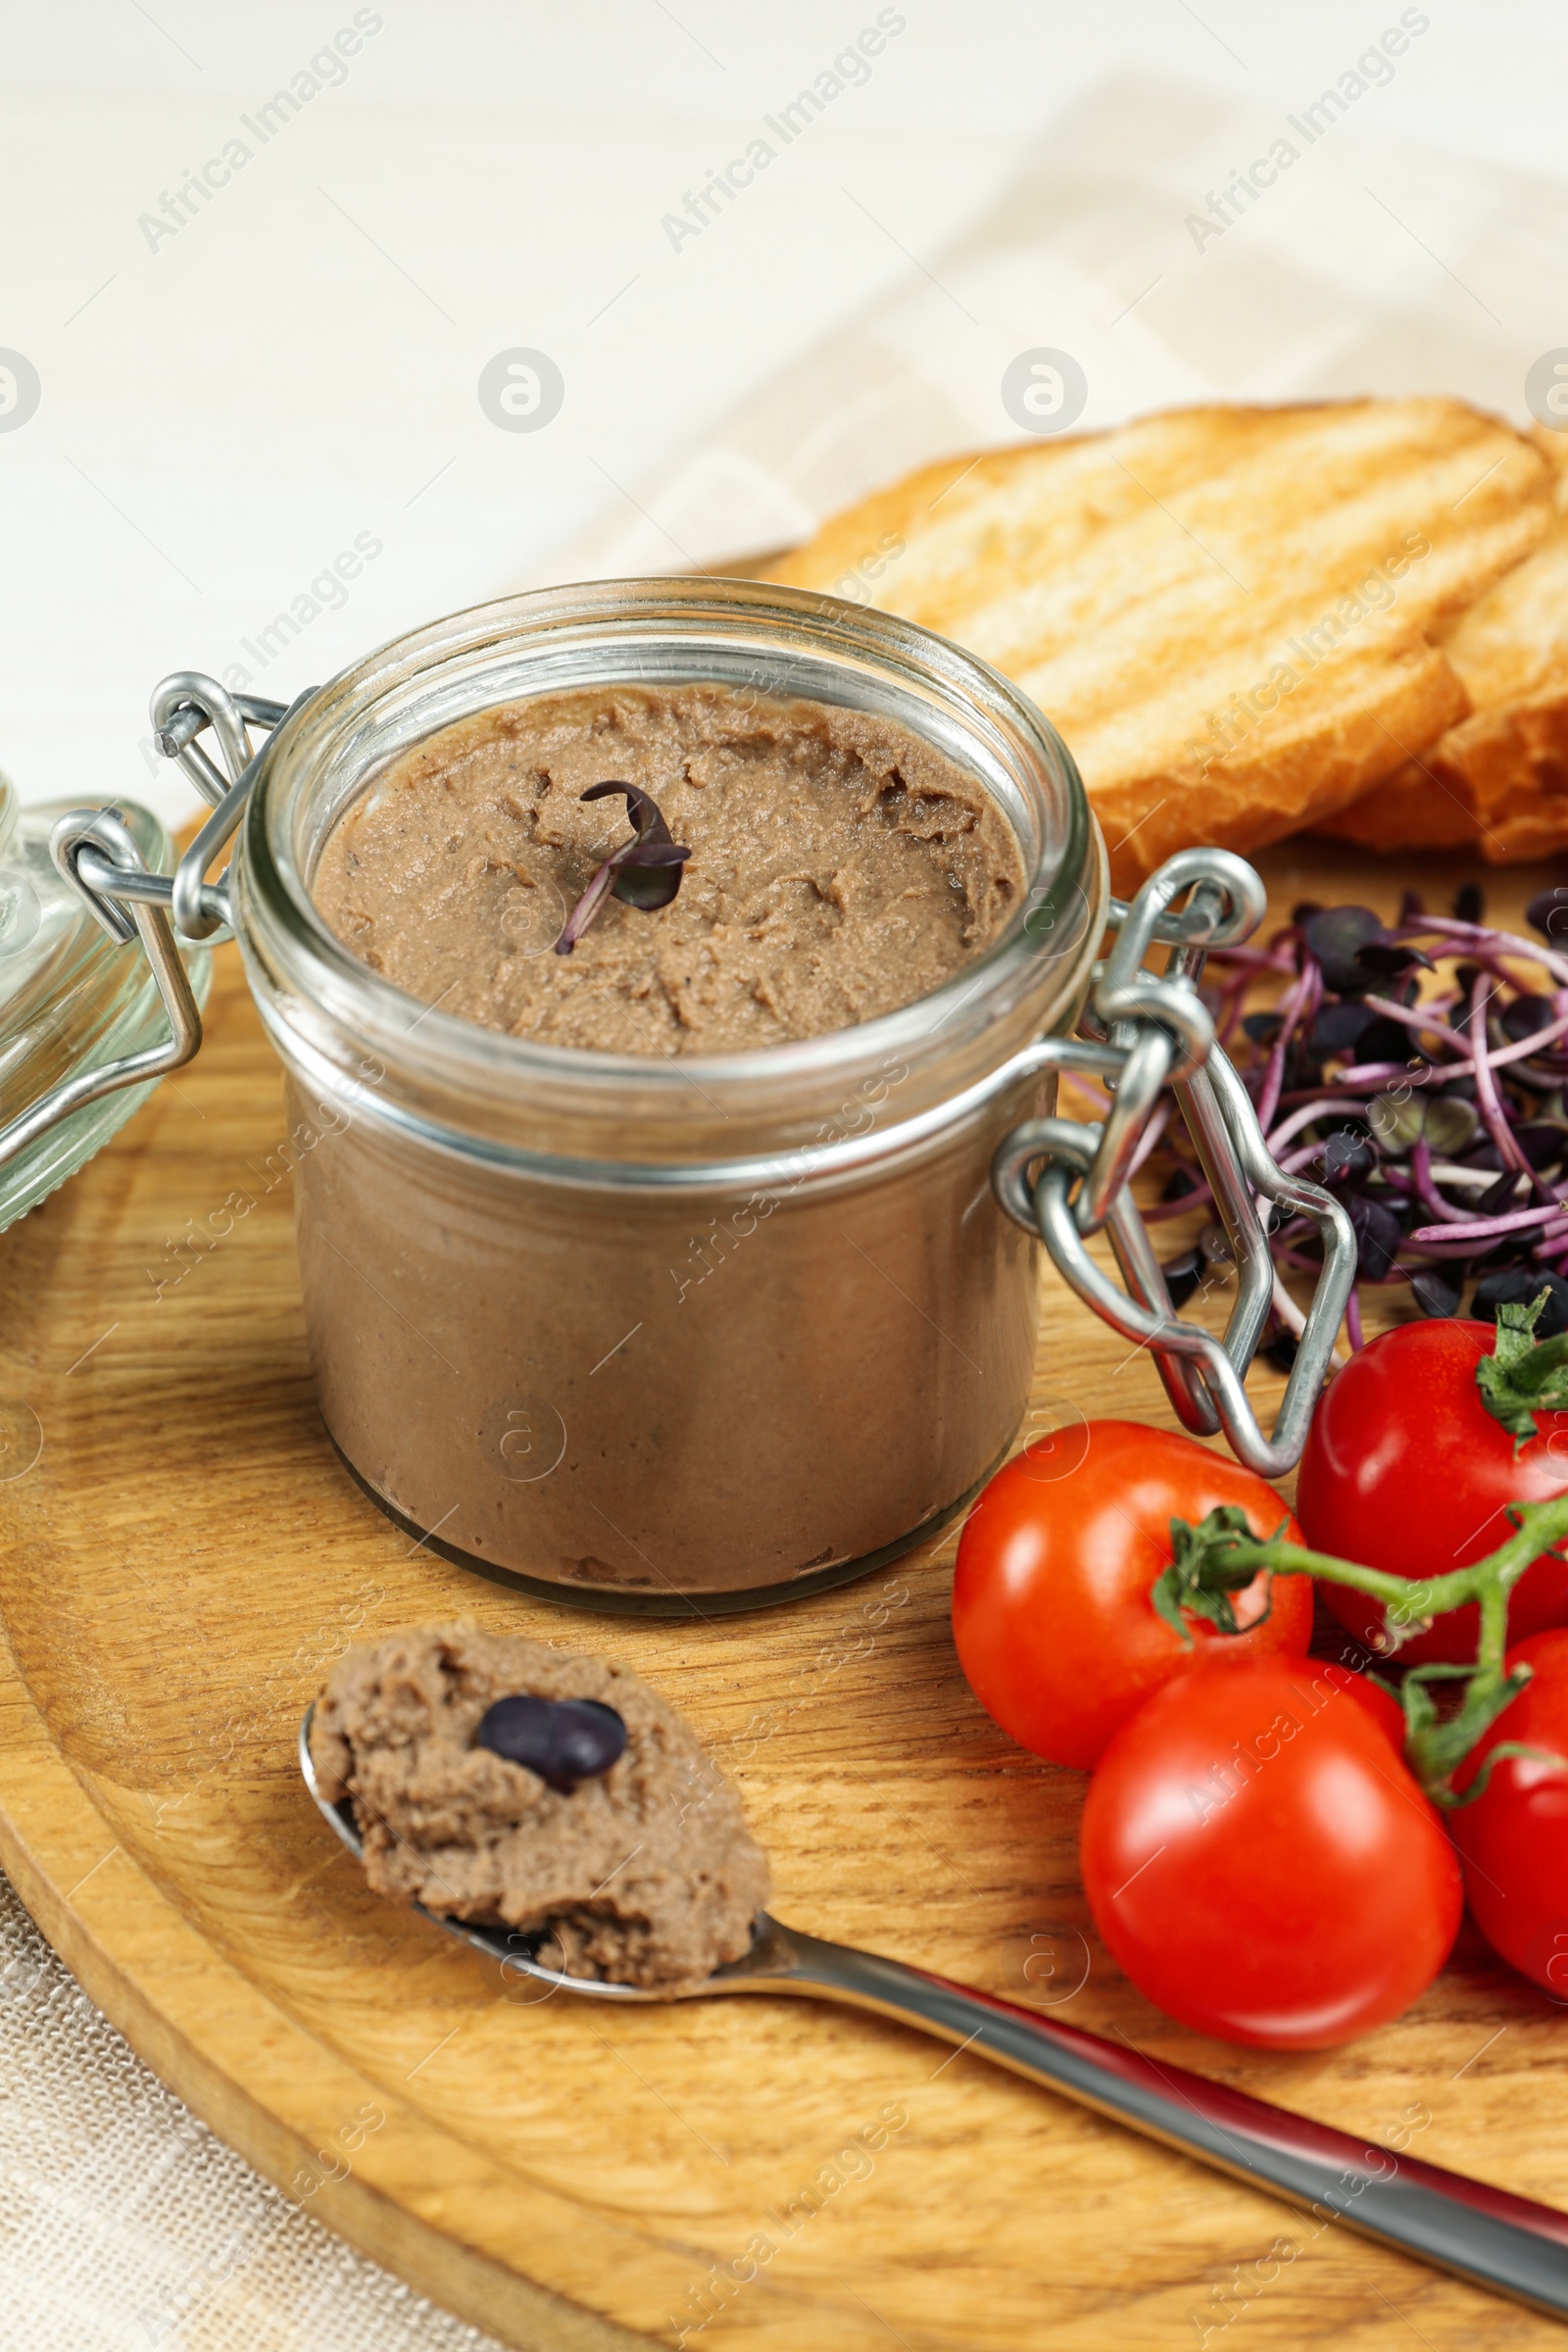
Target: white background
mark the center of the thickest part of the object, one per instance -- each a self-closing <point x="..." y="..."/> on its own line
<point x="223" y="415"/>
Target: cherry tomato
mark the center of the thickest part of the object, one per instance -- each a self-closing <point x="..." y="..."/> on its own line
<point x="1054" y="1628"/>
<point x="1513" y="1840"/>
<point x="1406" y="1470"/>
<point x="1259" y="1860"/>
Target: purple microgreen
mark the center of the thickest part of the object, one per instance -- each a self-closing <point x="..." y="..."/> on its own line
<point x="1496" y="1197"/>
<point x="1548" y="912"/>
<point x="1383" y="956"/>
<point x="1469" y="902"/>
<point x="1320" y="1107"/>
<point x="1433" y="1294"/>
<point x="587" y="907"/>
<point x="1338" y="1028"/>
<point x="1543" y="1143"/>
<point x="1500" y="943"/>
<point x="1349" y="1154"/>
<point x="1400" y="1099"/>
<point x="1334" y="939"/>
<point x="1182" y="1276"/>
<point x="1426" y="1191"/>
<point x="642" y="873"/>
<point x="648" y="874"/>
<point x="1476" y="1230"/>
<point x="1299" y="1005"/>
<point x="1525" y="1017"/>
<point x="1517" y="1288"/>
<point x="1378" y="1235"/>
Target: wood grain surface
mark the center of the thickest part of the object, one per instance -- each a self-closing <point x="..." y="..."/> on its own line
<point x="185" y="1556"/>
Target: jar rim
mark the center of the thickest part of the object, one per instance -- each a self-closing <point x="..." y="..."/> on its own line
<point x="333" y="744"/>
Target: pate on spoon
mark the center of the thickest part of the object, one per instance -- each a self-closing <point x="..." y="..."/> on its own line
<point x="1487" y="2235"/>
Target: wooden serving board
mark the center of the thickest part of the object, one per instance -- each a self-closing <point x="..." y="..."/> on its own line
<point x="186" y="1557"/>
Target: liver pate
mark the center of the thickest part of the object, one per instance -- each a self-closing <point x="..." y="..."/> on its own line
<point x="841" y="867"/>
<point x="646" y="1876"/>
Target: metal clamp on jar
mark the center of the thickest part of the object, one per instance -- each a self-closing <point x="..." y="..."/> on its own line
<point x="667" y="1336"/>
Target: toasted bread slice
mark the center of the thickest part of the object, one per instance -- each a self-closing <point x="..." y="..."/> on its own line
<point x="1228" y="612"/>
<point x="1499" y="778"/>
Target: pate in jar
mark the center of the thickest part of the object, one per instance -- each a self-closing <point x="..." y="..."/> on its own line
<point x="665" y="1274"/>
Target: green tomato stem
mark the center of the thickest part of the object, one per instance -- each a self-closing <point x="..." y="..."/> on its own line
<point x="1488" y="1581"/>
<point x="1217" y="1557"/>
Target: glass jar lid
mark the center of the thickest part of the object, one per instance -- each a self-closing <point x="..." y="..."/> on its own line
<point x="69" y="998"/>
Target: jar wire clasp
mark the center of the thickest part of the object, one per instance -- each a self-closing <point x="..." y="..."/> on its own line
<point x="95" y="852"/>
<point x="1068" y="1179"/>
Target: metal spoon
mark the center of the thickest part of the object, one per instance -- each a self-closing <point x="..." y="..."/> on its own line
<point x="1487" y="2235"/>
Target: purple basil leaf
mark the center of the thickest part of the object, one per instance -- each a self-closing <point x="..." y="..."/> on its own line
<point x="1280" y="1349"/>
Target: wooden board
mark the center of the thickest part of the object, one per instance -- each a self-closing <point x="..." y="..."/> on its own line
<point x="188" y="1556"/>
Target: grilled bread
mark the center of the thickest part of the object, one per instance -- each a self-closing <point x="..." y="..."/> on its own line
<point x="1500" y="779"/>
<point x="1230" y="613"/>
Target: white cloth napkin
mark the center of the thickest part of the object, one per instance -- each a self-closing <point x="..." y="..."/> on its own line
<point x="1365" y="266"/>
<point x="127" y="2227"/>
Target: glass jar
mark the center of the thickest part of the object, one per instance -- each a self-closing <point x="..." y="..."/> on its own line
<point x="667" y="1336"/>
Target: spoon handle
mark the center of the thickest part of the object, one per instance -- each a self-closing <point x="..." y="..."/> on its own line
<point x="1509" y="2244"/>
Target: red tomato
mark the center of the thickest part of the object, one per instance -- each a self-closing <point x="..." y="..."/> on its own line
<point x="1513" y="1841"/>
<point x="1406" y="1470"/>
<point x="1261" y="1863"/>
<point x="1054" y="1628"/>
